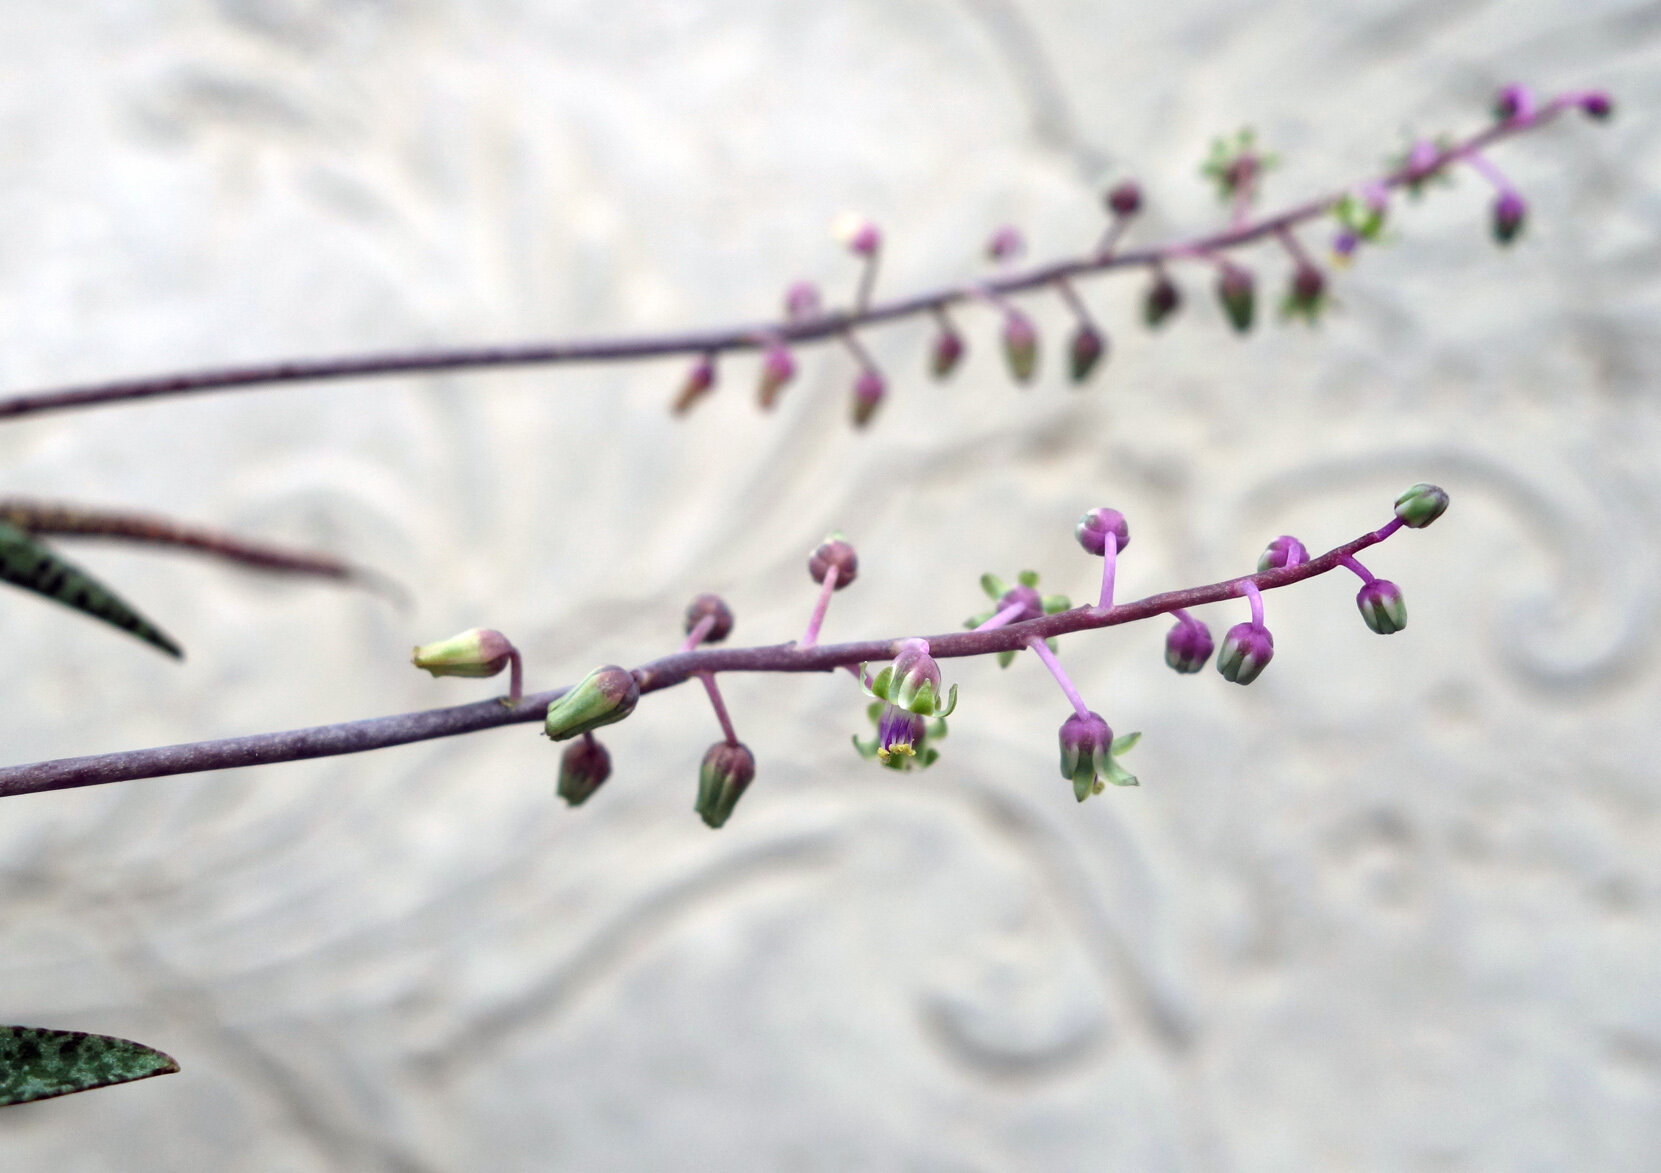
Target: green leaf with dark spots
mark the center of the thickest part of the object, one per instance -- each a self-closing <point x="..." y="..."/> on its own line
<point x="33" y="566"/>
<point x="37" y="1064"/>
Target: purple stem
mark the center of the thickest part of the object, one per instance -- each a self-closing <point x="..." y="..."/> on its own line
<point x="1110" y="238"/>
<point x="1110" y="564"/>
<point x="1060" y="674"/>
<point x="1491" y="173"/>
<point x="1255" y="598"/>
<point x="699" y="630"/>
<point x="817" y="619"/>
<point x="819" y="327"/>
<point x="1002" y="617"/>
<point x="1292" y="246"/>
<point x="404" y="728"/>
<point x="516" y="677"/>
<point x="720" y="708"/>
<point x="1361" y="571"/>
<point x="1075" y="303"/>
<point x="867" y="282"/>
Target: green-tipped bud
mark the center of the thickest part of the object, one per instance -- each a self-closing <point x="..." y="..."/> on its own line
<point x="727" y="772"/>
<point x="1238" y="293"/>
<point x="602" y="697"/>
<point x="1247" y="650"/>
<point x="583" y="769"/>
<point x="1382" y="606"/>
<point x="1020" y="338"/>
<point x="475" y="652"/>
<point x="946" y="352"/>
<point x="1421" y="505"/>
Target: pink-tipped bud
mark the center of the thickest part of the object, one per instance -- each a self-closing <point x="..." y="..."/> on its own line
<point x="1597" y="105"/>
<point x="699" y="380"/>
<point x="869" y="390"/>
<point x="801" y="301"/>
<point x="946" y="352"/>
<point x="711" y="607"/>
<point x="834" y="551"/>
<point x="1509" y="213"/>
<point x="1006" y="244"/>
<point x="1125" y="199"/>
<point x="1515" y="103"/>
<point x="1085" y="351"/>
<point x="1093" y="528"/>
<point x="859" y="235"/>
<point x="777" y="369"/>
<point x="1283" y="551"/>
<point x="1020" y="339"/>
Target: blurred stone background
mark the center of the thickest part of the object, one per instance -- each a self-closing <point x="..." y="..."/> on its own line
<point x="1396" y="906"/>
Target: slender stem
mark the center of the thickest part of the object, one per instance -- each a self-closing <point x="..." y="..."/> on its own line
<point x="1255" y="598"/>
<point x="404" y="728"/>
<point x="1182" y="616"/>
<point x="1110" y="560"/>
<point x="720" y="707"/>
<point x="1359" y="570"/>
<point x="817" y="619"/>
<point x="1290" y="243"/>
<point x="1388" y="528"/>
<point x="1480" y="164"/>
<point x="818" y="327"/>
<point x="867" y="281"/>
<point x="1110" y="238"/>
<point x="516" y="677"/>
<point x="1060" y="674"/>
<point x="857" y="349"/>
<point x="699" y="630"/>
<point x="1002" y="617"/>
<point x="1075" y="303"/>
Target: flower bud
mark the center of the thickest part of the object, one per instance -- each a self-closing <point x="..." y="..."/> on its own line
<point x="1086" y="746"/>
<point x="1514" y="103"/>
<point x="583" y="769"/>
<point x="475" y="652"/>
<point x="1247" y="650"/>
<point x="1125" y="199"/>
<point x="1085" y="351"/>
<point x="1307" y="292"/>
<point x="1006" y="244"/>
<point x="712" y="606"/>
<point x="912" y="682"/>
<point x="859" y="235"/>
<point x="1092" y="530"/>
<point x="1421" y="505"/>
<point x="777" y="369"/>
<point x="1188" y="645"/>
<point x="699" y="380"/>
<point x="947" y="350"/>
<point x="834" y="551"/>
<point x="1597" y="105"/>
<point x="1238" y="293"/>
<point x="801" y="301"/>
<point x="869" y="390"/>
<point x="1283" y="551"/>
<point x="603" y="696"/>
<point x="1509" y="212"/>
<point x="725" y="775"/>
<point x="1382" y="606"/>
<point x="1161" y="301"/>
<point x="1020" y="340"/>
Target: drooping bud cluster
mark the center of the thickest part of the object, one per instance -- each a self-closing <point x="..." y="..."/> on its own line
<point x="604" y="696"/>
<point x="1089" y="755"/>
<point x="707" y="606"/>
<point x="726" y="773"/>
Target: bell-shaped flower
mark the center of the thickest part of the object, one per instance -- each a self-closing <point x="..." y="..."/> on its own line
<point x="1089" y="755"/>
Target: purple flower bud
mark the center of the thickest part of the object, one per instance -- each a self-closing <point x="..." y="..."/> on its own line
<point x="602" y="697"/>
<point x="1188" y="645"/>
<point x="1515" y="103"/>
<point x="869" y="390"/>
<point x="1086" y="753"/>
<point x="1421" y="505"/>
<point x="1597" y="105"/>
<point x="947" y="350"/>
<point x="801" y="300"/>
<point x="1382" y="606"/>
<point x="861" y="236"/>
<point x="834" y="551"/>
<point x="478" y="651"/>
<point x="1161" y="301"/>
<point x="777" y="369"/>
<point x="1247" y="650"/>
<point x="725" y="775"/>
<point x="1125" y="199"/>
<point x="1509" y="211"/>
<point x="1085" y="351"/>
<point x="1092" y="530"/>
<point x="1025" y="597"/>
<point x="1238" y="293"/>
<point x="1283" y="551"/>
<point x="583" y="769"/>
<point x="1020" y="338"/>
<point x="699" y="380"/>
<point x="1006" y="244"/>
<point x="710" y="606"/>
<point x="912" y="682"/>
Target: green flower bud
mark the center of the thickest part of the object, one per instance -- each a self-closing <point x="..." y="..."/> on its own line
<point x="1421" y="505"/>
<point x="602" y="697"/>
<point x="1238" y="293"/>
<point x="475" y="652"/>
<point x="1382" y="606"/>
<point x="1020" y="339"/>
<point x="727" y="772"/>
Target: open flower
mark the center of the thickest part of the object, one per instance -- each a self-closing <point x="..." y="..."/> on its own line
<point x="902" y="739"/>
<point x="1088" y="755"/>
<point x="909" y="693"/>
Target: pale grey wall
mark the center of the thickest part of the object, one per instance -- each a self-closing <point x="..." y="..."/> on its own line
<point x="1397" y="906"/>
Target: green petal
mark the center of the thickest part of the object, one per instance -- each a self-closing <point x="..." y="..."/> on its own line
<point x="29" y="564"/>
<point x="1028" y="578"/>
<point x="37" y="1064"/>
